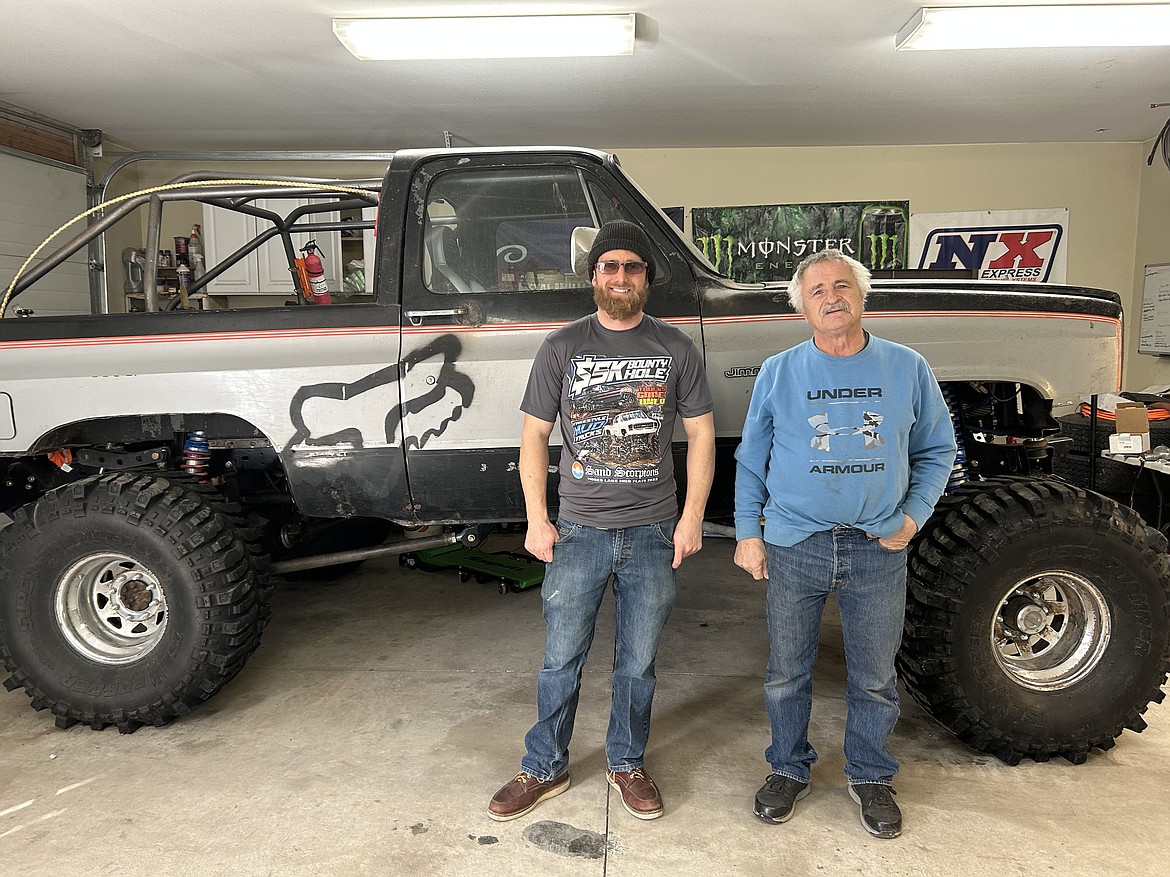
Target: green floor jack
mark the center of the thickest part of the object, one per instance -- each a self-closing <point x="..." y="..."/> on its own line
<point x="509" y="570"/>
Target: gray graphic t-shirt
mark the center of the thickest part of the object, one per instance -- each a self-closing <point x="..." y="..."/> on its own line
<point x="617" y="394"/>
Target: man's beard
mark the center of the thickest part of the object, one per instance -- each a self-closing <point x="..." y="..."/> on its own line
<point x="620" y="308"/>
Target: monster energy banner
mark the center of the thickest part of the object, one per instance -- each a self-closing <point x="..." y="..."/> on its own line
<point x="755" y="244"/>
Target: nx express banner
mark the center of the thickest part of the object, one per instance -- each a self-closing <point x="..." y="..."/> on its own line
<point x="1017" y="245"/>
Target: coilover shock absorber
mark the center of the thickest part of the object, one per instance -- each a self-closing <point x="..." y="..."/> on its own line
<point x="959" y="473"/>
<point x="196" y="454"/>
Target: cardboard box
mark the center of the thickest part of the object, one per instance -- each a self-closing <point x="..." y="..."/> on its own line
<point x="1128" y="443"/>
<point x="1132" y="418"/>
<point x="1133" y="422"/>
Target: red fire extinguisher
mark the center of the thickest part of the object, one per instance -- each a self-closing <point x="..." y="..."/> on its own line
<point x="316" y="272"/>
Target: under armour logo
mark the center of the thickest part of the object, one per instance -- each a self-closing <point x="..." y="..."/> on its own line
<point x="868" y="429"/>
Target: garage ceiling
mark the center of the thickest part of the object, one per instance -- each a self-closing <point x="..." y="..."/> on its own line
<point x="269" y="74"/>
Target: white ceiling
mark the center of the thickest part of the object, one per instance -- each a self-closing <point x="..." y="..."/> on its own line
<point x="269" y="74"/>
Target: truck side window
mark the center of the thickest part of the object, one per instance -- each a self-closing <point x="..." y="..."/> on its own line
<point x="503" y="230"/>
<point x="608" y="206"/>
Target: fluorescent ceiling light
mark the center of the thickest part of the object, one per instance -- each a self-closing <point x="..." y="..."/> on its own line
<point x="515" y="36"/>
<point x="1014" y="27"/>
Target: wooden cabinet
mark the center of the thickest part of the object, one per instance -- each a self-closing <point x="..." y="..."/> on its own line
<point x="265" y="271"/>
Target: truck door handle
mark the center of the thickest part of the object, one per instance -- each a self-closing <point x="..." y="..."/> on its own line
<point x="416" y="317"/>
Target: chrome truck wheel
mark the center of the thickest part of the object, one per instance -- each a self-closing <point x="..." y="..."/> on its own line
<point x="111" y="608"/>
<point x="1051" y="630"/>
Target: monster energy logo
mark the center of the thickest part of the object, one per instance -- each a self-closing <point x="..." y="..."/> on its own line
<point x="788" y="247"/>
<point x="883" y="250"/>
<point x="881" y="230"/>
<point x="715" y="248"/>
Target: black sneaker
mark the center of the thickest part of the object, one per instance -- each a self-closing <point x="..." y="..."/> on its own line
<point x="879" y="814"/>
<point x="776" y="799"/>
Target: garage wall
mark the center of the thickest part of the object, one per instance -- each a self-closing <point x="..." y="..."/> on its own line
<point x="1153" y="248"/>
<point x="1099" y="183"/>
<point x="37" y="197"/>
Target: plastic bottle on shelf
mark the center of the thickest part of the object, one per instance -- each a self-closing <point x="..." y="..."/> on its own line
<point x="195" y="251"/>
<point x="184" y="285"/>
<point x="197" y="267"/>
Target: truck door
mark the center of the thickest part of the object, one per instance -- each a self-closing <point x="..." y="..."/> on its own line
<point x="487" y="274"/>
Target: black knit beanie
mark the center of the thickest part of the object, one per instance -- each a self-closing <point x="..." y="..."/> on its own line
<point x="619" y="234"/>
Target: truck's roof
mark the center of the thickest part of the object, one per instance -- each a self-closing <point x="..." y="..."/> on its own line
<point x="431" y="152"/>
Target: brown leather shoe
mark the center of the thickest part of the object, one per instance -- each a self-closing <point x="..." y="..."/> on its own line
<point x="522" y="794"/>
<point x="640" y="796"/>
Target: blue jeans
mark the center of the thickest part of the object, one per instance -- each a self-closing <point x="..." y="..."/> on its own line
<point x="870" y="584"/>
<point x="639" y="559"/>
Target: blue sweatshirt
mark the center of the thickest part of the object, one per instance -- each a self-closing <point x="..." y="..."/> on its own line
<point x="856" y="440"/>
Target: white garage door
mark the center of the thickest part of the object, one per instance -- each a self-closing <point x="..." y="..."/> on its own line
<point x="37" y="198"/>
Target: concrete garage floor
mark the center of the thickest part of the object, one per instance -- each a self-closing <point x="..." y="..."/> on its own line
<point x="383" y="710"/>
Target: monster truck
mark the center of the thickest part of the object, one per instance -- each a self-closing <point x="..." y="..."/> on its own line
<point x="159" y="468"/>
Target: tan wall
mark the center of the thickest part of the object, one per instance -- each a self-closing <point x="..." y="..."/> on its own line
<point x="1153" y="248"/>
<point x="1098" y="183"/>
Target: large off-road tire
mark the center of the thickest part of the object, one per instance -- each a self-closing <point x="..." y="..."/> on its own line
<point x="127" y="599"/>
<point x="1037" y="619"/>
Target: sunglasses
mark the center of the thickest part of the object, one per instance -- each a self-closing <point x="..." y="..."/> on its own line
<point x="632" y="268"/>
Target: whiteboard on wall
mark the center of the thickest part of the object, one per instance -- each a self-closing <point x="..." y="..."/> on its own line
<point x="36" y="198"/>
<point x="1155" y="327"/>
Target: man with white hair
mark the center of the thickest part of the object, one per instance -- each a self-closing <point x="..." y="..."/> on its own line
<point x="846" y="448"/>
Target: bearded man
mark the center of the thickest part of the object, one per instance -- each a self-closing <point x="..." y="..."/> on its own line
<point x="616" y="379"/>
